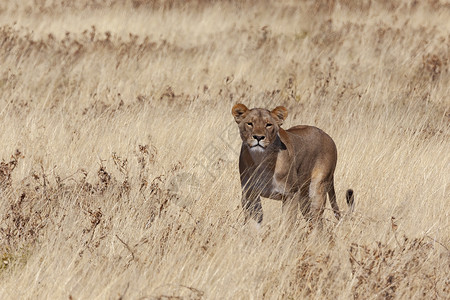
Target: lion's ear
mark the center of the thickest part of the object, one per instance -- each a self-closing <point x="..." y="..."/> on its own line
<point x="281" y="113"/>
<point x="238" y="112"/>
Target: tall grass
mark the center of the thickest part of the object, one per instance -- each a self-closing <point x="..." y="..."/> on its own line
<point x="119" y="152"/>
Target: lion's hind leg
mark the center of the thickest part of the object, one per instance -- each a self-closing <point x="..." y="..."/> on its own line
<point x="318" y="189"/>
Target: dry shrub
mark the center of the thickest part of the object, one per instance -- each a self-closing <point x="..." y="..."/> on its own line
<point x="311" y="270"/>
<point x="386" y="271"/>
<point x="6" y="169"/>
<point x="433" y="66"/>
<point x="41" y="196"/>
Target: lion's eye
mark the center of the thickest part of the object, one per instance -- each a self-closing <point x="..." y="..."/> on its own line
<point x="250" y="124"/>
<point x="268" y="125"/>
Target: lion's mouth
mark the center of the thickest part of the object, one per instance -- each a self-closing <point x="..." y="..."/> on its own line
<point x="257" y="146"/>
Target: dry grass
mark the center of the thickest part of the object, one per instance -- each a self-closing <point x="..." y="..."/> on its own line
<point x="119" y="155"/>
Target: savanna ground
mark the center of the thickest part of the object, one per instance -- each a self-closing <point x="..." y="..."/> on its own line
<point x="119" y="153"/>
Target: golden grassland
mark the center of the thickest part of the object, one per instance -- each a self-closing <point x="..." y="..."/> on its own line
<point x="118" y="173"/>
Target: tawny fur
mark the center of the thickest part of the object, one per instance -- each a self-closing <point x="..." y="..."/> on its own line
<point x="295" y="165"/>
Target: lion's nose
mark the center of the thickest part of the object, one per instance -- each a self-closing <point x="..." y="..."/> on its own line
<point x="259" y="137"/>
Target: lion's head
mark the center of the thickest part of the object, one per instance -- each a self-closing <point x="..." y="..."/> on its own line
<point x="258" y="127"/>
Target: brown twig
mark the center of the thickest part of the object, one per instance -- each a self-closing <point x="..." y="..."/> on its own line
<point x="436" y="241"/>
<point x="128" y="247"/>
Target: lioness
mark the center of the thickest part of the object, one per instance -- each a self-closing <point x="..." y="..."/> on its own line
<point x="295" y="165"/>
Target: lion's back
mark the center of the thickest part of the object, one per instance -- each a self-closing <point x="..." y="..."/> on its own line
<point x="312" y="139"/>
<point x="306" y="130"/>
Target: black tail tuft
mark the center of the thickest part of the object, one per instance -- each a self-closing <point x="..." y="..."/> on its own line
<point x="350" y="198"/>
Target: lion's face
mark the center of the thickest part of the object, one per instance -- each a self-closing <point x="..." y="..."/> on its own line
<point x="258" y="127"/>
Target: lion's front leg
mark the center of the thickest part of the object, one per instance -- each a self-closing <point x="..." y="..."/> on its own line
<point x="252" y="207"/>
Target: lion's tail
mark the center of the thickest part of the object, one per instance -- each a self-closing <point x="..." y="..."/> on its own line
<point x="350" y="196"/>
